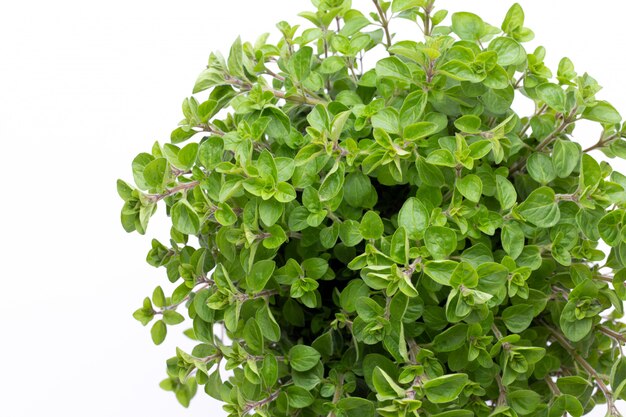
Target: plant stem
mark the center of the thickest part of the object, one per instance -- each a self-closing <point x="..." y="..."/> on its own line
<point x="603" y="141"/>
<point x="180" y="187"/>
<point x="383" y="22"/>
<point x="304" y="99"/>
<point x="258" y="404"/>
<point x="338" y="394"/>
<point x="567" y="121"/>
<point x="502" y="390"/>
<point x="620" y="338"/>
<point x="426" y="19"/>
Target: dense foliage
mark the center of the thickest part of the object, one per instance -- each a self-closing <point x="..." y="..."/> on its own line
<point x="392" y="241"/>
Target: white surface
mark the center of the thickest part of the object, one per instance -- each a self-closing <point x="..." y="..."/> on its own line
<point x="84" y="86"/>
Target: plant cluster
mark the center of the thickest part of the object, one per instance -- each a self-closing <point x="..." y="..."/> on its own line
<point x="395" y="240"/>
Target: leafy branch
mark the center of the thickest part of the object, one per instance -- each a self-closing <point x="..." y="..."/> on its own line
<point x="606" y="391"/>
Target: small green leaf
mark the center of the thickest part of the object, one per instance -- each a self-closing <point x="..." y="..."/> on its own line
<point x="471" y="187"/>
<point x="440" y="241"/>
<point x="468" y="123"/>
<point x="371" y="226"/>
<point x="445" y="389"/>
<point x="171" y="317"/>
<point x="259" y="274"/>
<point x="602" y="112"/>
<point x="540" y="168"/>
<point x="517" y="318"/>
<point x="302" y="358"/>
<point x="505" y="193"/>
<point x="509" y="51"/>
<point x="299" y="397"/>
<point x="394" y="68"/>
<point x="414" y="217"/>
<point x="540" y="208"/>
<point x="185" y="218"/>
<point x="300" y="63"/>
<point x="158" y="332"/>
<point x="553" y="96"/>
<point x="565" y="157"/>
<point x="468" y="26"/>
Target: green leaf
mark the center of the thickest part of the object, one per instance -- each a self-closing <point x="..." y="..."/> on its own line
<point x="590" y="173"/>
<point x="299" y="397"/>
<point x="451" y="339"/>
<point x="566" y="404"/>
<point x="158" y="332"/>
<point x="154" y="173"/>
<point x="171" y="317"/>
<point x="460" y="71"/>
<point x="349" y="233"/>
<point x="565" y="157"/>
<point x="302" y="358"/>
<point x="553" y="96"/>
<point x="440" y="241"/>
<point x="184" y="218"/>
<point x="440" y="271"/>
<point x="470" y="186"/>
<point x="441" y="157"/>
<point x="602" y="112"/>
<point x="517" y="318"/>
<point x="368" y="309"/>
<point x="332" y="184"/>
<point x="356" y="407"/>
<point x="259" y="274"/>
<point x="371" y="226"/>
<point x="332" y="65"/>
<point x="187" y="155"/>
<point x="524" y="401"/>
<point x="468" y="123"/>
<point x="513" y="20"/>
<point x="414" y="217"/>
<point x="420" y="130"/>
<point x="610" y="227"/>
<point x="235" y="59"/>
<point x="540" y="208"/>
<point x="505" y="193"/>
<point x="540" y="168"/>
<point x="445" y="389"/>
<point x="284" y="192"/>
<point x="357" y="188"/>
<point x="385" y="386"/>
<point x="513" y="239"/>
<point x="300" y="63"/>
<point x="393" y="68"/>
<point x="225" y="215"/>
<point x="509" y="51"/>
<point x="468" y="26"/>
<point x="398" y="6"/>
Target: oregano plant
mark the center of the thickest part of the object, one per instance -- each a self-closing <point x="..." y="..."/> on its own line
<point x="394" y="239"/>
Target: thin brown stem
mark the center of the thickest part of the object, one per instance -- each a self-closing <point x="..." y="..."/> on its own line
<point x="383" y="22"/>
<point x="338" y="393"/>
<point x="601" y="142"/>
<point x="567" y="121"/>
<point x="618" y="337"/>
<point x="258" y="404"/>
<point x="180" y="187"/>
<point x="304" y="99"/>
<point x="553" y="387"/>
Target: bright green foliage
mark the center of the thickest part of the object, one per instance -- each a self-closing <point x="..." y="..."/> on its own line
<point x="391" y="240"/>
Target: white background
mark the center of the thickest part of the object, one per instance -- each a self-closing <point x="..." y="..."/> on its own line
<point x="84" y="87"/>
